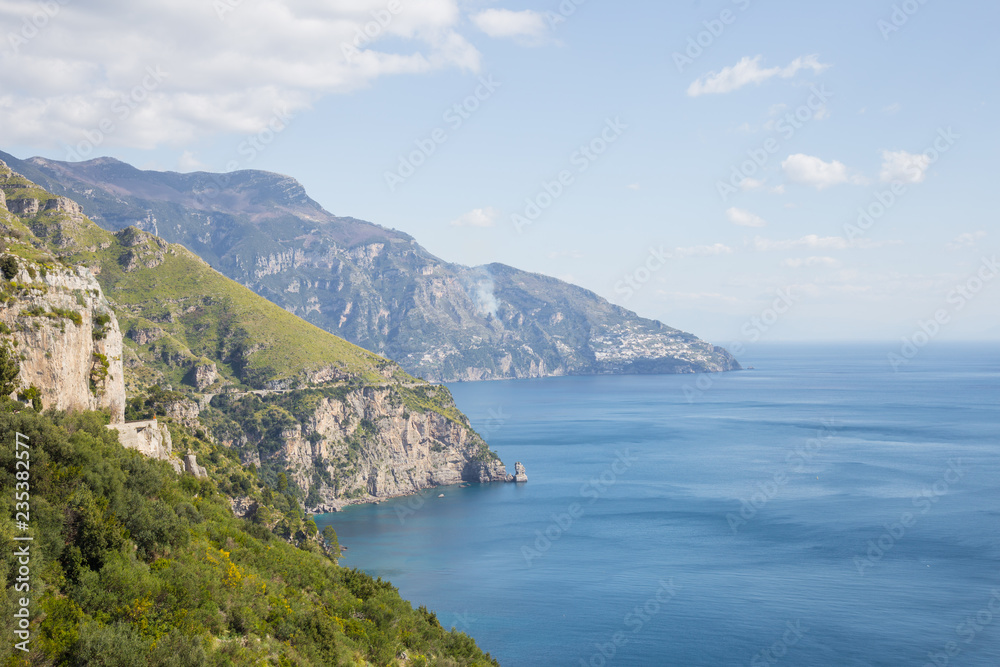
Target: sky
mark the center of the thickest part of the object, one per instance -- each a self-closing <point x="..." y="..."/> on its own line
<point x="744" y="170"/>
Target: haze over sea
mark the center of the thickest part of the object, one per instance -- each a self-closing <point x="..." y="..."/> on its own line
<point x="821" y="509"/>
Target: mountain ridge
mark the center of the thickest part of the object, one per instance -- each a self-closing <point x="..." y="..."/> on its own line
<point x="377" y="287"/>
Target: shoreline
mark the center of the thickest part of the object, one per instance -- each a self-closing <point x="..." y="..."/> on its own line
<point x="340" y="505"/>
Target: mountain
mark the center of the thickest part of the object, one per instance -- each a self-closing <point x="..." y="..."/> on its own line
<point x="377" y="287"/>
<point x="128" y="323"/>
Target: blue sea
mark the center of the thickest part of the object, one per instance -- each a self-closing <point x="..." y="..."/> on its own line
<point x="822" y="509"/>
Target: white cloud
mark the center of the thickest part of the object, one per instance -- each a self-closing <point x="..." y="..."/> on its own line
<point x="808" y="241"/>
<point x="479" y="217"/>
<point x="226" y="68"/>
<point x="702" y="251"/>
<point x="814" y="241"/>
<point x="633" y="186"/>
<point x="967" y="240"/>
<point x="799" y="262"/>
<point x="743" y="218"/>
<point x="892" y="109"/>
<point x="748" y="184"/>
<point x="188" y="162"/>
<point x="747" y="71"/>
<point x="809" y="170"/>
<point x="526" y="26"/>
<point x="903" y="167"/>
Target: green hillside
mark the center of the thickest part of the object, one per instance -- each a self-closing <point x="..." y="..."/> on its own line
<point x="132" y="565"/>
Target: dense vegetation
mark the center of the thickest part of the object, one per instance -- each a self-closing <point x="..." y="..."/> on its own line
<point x="134" y="565"/>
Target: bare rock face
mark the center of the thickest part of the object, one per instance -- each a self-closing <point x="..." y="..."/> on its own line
<point x="520" y="475"/>
<point x="26" y="207"/>
<point x="149" y="438"/>
<point x="372" y="446"/>
<point x="243" y="506"/>
<point x="144" y="249"/>
<point x="184" y="412"/>
<point x="3" y="198"/>
<point x="146" y="336"/>
<point x="64" y="205"/>
<point x="485" y="471"/>
<point x="191" y="466"/>
<point x="203" y="375"/>
<point x="68" y="339"/>
<point x="131" y="237"/>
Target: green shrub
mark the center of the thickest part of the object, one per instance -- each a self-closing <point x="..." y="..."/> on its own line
<point x="8" y="266"/>
<point x="32" y="395"/>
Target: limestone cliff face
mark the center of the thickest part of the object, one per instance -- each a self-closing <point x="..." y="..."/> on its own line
<point x="67" y="338"/>
<point x="368" y="445"/>
<point x="150" y="438"/>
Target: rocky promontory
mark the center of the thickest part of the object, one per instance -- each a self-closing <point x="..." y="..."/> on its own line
<point x="319" y="419"/>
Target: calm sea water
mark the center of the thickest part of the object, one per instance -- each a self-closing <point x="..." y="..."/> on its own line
<point x="818" y="510"/>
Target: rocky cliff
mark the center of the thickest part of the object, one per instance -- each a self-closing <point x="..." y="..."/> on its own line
<point x="150" y="438"/>
<point x="66" y="336"/>
<point x="377" y="287"/>
<point x="349" y="445"/>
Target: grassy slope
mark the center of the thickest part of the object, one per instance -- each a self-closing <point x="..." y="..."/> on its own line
<point x="224" y="314"/>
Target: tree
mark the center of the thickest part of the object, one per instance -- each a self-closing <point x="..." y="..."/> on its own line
<point x="32" y="395"/>
<point x="8" y="266"/>
<point x="332" y="543"/>
<point x="10" y="367"/>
